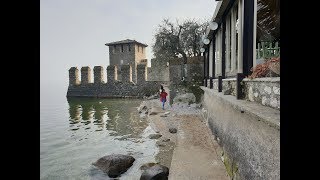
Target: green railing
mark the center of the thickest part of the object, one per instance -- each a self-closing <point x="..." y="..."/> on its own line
<point x="267" y="50"/>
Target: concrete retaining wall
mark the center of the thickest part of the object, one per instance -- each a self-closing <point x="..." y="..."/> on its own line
<point x="248" y="132"/>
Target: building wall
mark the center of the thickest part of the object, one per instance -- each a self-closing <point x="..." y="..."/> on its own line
<point x="265" y="91"/>
<point x="115" y="55"/>
<point x="132" y="57"/>
<point x="140" y="53"/>
<point x="194" y="69"/>
<point x="211" y="54"/>
<point x="159" y="70"/>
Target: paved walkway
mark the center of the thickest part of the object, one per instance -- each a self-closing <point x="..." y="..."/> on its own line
<point x="194" y="156"/>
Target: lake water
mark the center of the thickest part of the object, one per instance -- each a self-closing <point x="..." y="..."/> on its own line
<point x="76" y="132"/>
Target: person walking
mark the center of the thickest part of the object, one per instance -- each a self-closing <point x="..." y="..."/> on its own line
<point x="163" y="97"/>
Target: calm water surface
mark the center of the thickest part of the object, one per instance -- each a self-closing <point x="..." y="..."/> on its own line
<point x="76" y="132"/>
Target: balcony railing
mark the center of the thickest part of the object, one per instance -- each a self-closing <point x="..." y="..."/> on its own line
<point x="267" y="50"/>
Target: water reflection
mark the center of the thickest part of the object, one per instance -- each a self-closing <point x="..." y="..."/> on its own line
<point x="118" y="117"/>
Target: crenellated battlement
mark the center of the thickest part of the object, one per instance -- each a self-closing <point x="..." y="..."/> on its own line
<point x="74" y="76"/>
<point x="98" y="74"/>
<point x="85" y="75"/>
<point x="112" y="87"/>
<point x="112" y="74"/>
<point x="126" y="73"/>
<point x="142" y="72"/>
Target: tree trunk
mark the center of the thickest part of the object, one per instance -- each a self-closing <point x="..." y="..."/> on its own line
<point x="183" y="66"/>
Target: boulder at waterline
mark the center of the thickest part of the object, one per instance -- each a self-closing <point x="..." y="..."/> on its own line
<point x="115" y="164"/>
<point x="156" y="172"/>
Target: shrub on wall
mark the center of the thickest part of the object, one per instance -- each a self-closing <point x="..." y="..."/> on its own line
<point x="270" y="68"/>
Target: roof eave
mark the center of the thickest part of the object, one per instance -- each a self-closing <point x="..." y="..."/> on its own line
<point x="217" y="14"/>
<point x="134" y="42"/>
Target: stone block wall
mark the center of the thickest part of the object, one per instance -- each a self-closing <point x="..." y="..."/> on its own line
<point x="98" y="74"/>
<point x="117" y="57"/>
<point x="194" y="68"/>
<point x="175" y="74"/>
<point x="229" y="86"/>
<point x="112" y="88"/>
<point x="85" y="75"/>
<point x="215" y="83"/>
<point x="159" y="70"/>
<point x="142" y="73"/>
<point x="126" y="73"/>
<point x="265" y="91"/>
<point x="74" y="76"/>
<point x="112" y="73"/>
<point x="126" y="54"/>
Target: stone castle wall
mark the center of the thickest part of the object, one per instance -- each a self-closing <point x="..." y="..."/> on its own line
<point x="113" y="87"/>
<point x="127" y="54"/>
<point x="194" y="68"/>
<point x="159" y="70"/>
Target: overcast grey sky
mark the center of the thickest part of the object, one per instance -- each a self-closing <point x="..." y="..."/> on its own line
<point x="73" y="32"/>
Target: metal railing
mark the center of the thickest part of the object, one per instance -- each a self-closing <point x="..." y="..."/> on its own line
<point x="267" y="50"/>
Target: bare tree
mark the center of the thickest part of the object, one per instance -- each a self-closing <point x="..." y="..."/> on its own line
<point x="178" y="40"/>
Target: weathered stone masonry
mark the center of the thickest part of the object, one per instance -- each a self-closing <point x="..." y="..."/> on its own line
<point x="127" y="52"/>
<point x="113" y="87"/>
<point x="74" y="76"/>
<point x="265" y="91"/>
<point x="98" y="74"/>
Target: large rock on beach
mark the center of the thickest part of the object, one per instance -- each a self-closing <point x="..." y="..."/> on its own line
<point x="156" y="172"/>
<point x="115" y="164"/>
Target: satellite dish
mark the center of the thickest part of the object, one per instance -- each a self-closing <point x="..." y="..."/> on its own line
<point x="202" y="50"/>
<point x="206" y="41"/>
<point x="213" y="25"/>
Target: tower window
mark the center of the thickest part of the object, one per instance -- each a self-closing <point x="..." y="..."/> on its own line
<point x="114" y="48"/>
<point x="129" y="47"/>
<point x="121" y="47"/>
<point x="141" y="49"/>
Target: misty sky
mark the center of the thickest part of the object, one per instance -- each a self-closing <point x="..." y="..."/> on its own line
<point x="73" y="32"/>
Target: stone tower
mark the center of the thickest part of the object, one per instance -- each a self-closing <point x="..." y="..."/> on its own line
<point x="127" y="52"/>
